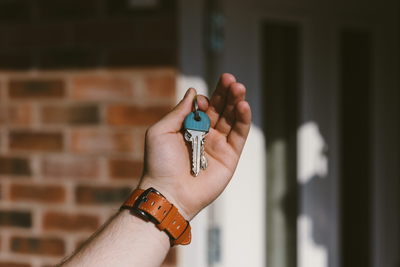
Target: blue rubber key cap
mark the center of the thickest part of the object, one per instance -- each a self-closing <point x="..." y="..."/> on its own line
<point x="197" y="124"/>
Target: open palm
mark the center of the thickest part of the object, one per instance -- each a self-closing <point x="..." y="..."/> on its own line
<point x="168" y="156"/>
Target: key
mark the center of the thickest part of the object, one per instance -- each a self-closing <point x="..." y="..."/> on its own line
<point x="203" y="159"/>
<point x="197" y="124"/>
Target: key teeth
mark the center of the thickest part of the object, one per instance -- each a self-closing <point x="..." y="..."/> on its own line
<point x="187" y="136"/>
<point x="204" y="164"/>
<point x="203" y="159"/>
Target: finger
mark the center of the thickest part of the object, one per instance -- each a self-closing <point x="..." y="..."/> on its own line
<point x="219" y="98"/>
<point x="237" y="93"/>
<point x="203" y="102"/>
<point x="240" y="130"/>
<point x="172" y="122"/>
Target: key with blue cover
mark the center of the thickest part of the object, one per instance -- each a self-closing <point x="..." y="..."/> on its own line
<point x="197" y="124"/>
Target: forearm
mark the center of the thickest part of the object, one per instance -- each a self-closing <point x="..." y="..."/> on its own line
<point x="125" y="240"/>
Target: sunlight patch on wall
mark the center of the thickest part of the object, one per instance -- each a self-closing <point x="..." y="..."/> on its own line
<point x="312" y="163"/>
<point x="310" y="254"/>
<point x="311" y="153"/>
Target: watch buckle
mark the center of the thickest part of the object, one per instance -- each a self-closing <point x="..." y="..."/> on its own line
<point x="143" y="198"/>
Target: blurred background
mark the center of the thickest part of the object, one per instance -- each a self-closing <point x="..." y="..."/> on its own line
<point x="318" y="183"/>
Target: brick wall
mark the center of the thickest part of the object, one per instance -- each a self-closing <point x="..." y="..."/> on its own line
<point x="71" y="150"/>
<point x="80" y="82"/>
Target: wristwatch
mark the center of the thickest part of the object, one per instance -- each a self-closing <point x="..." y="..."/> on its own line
<point x="152" y="206"/>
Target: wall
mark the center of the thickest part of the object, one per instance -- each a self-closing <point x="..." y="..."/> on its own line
<point x="80" y="83"/>
<point x="320" y="28"/>
<point x="71" y="152"/>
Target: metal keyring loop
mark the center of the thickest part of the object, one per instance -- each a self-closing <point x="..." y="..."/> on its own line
<point x="196" y="110"/>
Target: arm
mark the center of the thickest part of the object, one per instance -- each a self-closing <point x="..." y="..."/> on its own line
<point x="127" y="240"/>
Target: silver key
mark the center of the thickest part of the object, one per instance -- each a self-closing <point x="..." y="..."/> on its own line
<point x="197" y="124"/>
<point x="198" y="158"/>
<point x="203" y="159"/>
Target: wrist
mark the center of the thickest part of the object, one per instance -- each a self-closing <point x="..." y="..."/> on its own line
<point x="168" y="194"/>
<point x="148" y="230"/>
<point x="153" y="206"/>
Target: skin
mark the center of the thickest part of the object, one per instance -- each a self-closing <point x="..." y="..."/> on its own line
<point x="127" y="240"/>
<point x="168" y="156"/>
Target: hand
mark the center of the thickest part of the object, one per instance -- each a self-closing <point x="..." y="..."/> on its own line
<point x="167" y="165"/>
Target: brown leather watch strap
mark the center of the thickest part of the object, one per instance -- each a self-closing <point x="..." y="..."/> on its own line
<point x="155" y="207"/>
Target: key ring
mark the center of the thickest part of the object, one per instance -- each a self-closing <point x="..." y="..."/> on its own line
<point x="196" y="110"/>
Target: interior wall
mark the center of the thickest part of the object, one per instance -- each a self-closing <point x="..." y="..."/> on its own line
<point x="320" y="103"/>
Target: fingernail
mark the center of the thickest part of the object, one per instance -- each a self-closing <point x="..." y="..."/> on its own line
<point x="187" y="93"/>
<point x="199" y="99"/>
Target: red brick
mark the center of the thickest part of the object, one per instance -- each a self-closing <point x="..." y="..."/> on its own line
<point x="101" y="195"/>
<point x="37" y="193"/>
<point x="13" y="264"/>
<point x="125" y="169"/>
<point x="73" y="115"/>
<point x="15" y="219"/>
<point x="101" y="141"/>
<point x="161" y="86"/>
<point x="83" y="239"/>
<point x="141" y="133"/>
<point x="34" y="35"/>
<point x="38" y="246"/>
<point x="106" y="32"/>
<point x="35" y="141"/>
<point x="80" y="243"/>
<point x="76" y="168"/>
<point x="16" y="114"/>
<point x="14" y="166"/>
<point x="70" y="222"/>
<point x="134" y="115"/>
<point x="98" y="88"/>
<point x="26" y="89"/>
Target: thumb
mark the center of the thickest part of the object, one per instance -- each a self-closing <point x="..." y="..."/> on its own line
<point x="172" y="122"/>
